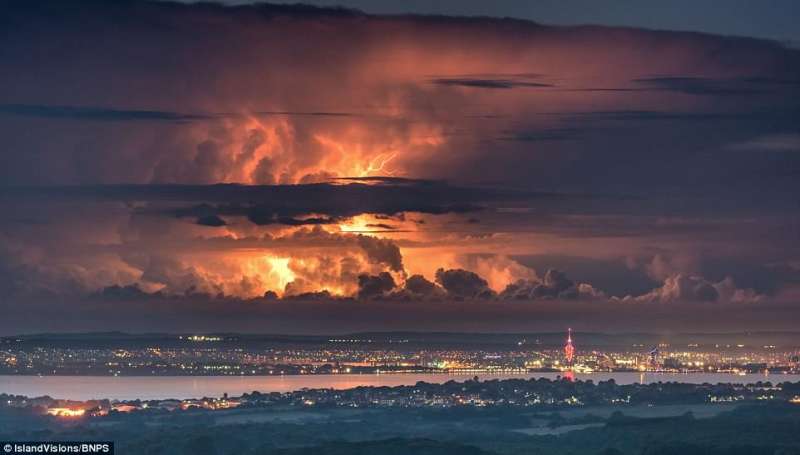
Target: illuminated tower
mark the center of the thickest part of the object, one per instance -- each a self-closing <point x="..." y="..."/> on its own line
<point x="569" y="350"/>
<point x="654" y="353"/>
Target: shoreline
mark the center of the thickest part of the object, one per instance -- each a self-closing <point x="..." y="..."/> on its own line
<point x="163" y="387"/>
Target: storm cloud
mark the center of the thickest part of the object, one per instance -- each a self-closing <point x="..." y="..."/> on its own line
<point x="325" y="155"/>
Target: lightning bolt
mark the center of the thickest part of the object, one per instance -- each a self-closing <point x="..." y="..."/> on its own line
<point x="377" y="165"/>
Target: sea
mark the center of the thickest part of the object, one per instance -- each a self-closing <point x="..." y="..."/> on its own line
<point x="182" y="387"/>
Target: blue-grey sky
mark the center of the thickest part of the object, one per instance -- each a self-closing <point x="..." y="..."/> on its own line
<point x="772" y="19"/>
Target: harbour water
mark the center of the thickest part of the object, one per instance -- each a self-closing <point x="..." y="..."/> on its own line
<point x="180" y="387"/>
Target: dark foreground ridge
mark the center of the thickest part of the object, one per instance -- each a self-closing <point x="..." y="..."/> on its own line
<point x="471" y="417"/>
<point x="541" y="393"/>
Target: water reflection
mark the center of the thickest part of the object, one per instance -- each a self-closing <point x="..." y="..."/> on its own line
<point x="162" y="387"/>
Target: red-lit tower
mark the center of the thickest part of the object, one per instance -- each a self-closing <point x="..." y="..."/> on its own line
<point x="569" y="350"/>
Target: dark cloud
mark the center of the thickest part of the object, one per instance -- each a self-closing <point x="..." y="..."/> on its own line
<point x="489" y="83"/>
<point x="687" y="116"/>
<point x="555" y="285"/>
<point x="683" y="287"/>
<point x="321" y="296"/>
<point x="97" y="113"/>
<point x="390" y="190"/>
<point x="129" y="292"/>
<point x="463" y="284"/>
<point x="211" y="221"/>
<point x="101" y="114"/>
<point x="373" y="286"/>
<point x="265" y="217"/>
<point x="382" y="251"/>
<point x="419" y="286"/>
<point x="716" y="86"/>
<point x="289" y="204"/>
<point x="614" y="276"/>
<point x="384" y="226"/>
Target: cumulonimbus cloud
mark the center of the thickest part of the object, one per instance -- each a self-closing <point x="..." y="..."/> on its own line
<point x="301" y="153"/>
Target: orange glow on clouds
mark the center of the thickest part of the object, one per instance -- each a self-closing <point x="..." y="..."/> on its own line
<point x="272" y="150"/>
<point x="352" y="160"/>
<point x="280" y="272"/>
<point x="316" y="100"/>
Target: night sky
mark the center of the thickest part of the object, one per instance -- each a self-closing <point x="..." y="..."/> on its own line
<point x="296" y="169"/>
<point x="774" y="19"/>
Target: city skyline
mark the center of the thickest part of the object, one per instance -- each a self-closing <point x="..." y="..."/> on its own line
<point x="221" y="354"/>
